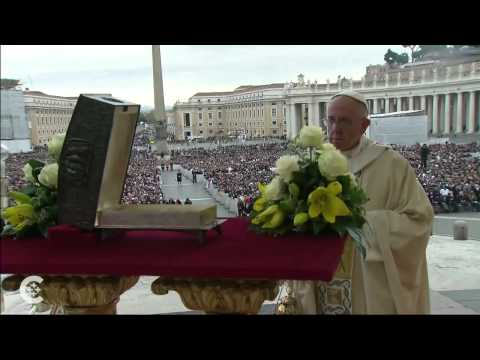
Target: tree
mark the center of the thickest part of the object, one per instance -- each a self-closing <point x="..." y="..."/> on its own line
<point x="412" y="50"/>
<point x="391" y="57"/>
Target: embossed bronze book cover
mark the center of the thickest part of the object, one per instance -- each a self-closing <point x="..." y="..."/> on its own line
<point x="93" y="168"/>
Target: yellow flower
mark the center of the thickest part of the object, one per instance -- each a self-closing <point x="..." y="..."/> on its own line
<point x="260" y="203"/>
<point x="300" y="219"/>
<point x="19" y="216"/>
<point x="270" y="218"/>
<point x="326" y="202"/>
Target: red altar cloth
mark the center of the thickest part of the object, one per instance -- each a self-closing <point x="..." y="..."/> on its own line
<point x="237" y="253"/>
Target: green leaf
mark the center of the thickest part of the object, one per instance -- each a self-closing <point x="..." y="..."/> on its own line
<point x="287" y="206"/>
<point x="35" y="164"/>
<point x="20" y="197"/>
<point x="30" y="190"/>
<point x="26" y="231"/>
<point x="294" y="190"/>
<point x="8" y="230"/>
<point x="318" y="227"/>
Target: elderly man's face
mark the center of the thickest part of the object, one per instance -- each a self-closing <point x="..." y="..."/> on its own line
<point x="346" y="122"/>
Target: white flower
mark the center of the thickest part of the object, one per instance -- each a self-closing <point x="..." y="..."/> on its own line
<point x="353" y="179"/>
<point x="27" y="171"/>
<point x="55" y="146"/>
<point x="332" y="164"/>
<point x="286" y="166"/>
<point x="311" y="136"/>
<point x="275" y="190"/>
<point x="49" y="176"/>
<point x="328" y="147"/>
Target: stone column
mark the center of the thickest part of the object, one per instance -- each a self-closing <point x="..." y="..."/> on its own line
<point x="447" y="115"/>
<point x="387" y="105"/>
<point x="399" y="104"/>
<point x="471" y="113"/>
<point x="313" y="114"/>
<point x="375" y="106"/>
<point x="289" y="121"/>
<point x="410" y="103"/>
<point x="423" y="100"/>
<point x="459" y="127"/>
<point x="399" y="78"/>
<point x="435" y="115"/>
<point x="295" y="117"/>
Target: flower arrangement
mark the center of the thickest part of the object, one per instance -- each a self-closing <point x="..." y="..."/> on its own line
<point x="312" y="192"/>
<point x="36" y="203"/>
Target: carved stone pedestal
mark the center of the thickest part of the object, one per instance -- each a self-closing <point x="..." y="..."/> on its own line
<point x="219" y="296"/>
<point x="79" y="294"/>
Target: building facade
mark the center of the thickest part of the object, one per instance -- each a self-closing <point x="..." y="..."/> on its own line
<point x="448" y="90"/>
<point x="48" y="115"/>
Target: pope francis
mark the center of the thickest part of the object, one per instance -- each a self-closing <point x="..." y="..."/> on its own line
<point x="393" y="278"/>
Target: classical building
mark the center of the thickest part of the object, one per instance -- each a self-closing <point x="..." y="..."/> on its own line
<point x="15" y="132"/>
<point x="251" y="111"/>
<point x="447" y="89"/>
<point x="48" y="115"/>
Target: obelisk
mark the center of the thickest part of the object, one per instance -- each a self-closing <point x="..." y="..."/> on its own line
<point x="160" y="146"/>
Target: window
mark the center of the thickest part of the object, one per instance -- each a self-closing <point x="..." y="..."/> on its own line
<point x="219" y="124"/>
<point x="200" y="124"/>
<point x="208" y="100"/>
<point x="199" y="109"/>
<point x="273" y="104"/>
<point x="210" y="124"/>
<point x="201" y="131"/>
<point x="274" y="122"/>
<point x="274" y="112"/>
<point x="284" y="112"/>
<point x="200" y="116"/>
<point x="219" y="114"/>
<point x="210" y="116"/>
<point x="218" y="100"/>
<point x="274" y="131"/>
<point x="198" y="100"/>
<point x="186" y="119"/>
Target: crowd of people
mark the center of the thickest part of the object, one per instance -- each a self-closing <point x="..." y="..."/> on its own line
<point x="449" y="173"/>
<point x="15" y="163"/>
<point x="142" y="183"/>
<point x="235" y="170"/>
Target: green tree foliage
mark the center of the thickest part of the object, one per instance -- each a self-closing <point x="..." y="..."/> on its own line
<point x="391" y="57"/>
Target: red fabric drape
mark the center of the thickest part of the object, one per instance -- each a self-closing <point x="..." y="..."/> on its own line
<point x="237" y="253"/>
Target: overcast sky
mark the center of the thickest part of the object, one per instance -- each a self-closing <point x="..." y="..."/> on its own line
<point x="126" y="71"/>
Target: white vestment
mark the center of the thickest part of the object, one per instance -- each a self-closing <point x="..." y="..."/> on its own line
<point x="393" y="278"/>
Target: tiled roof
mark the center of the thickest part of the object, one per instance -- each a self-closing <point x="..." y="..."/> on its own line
<point x="242" y="89"/>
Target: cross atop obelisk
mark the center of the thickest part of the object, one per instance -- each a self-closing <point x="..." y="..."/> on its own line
<point x="160" y="146"/>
